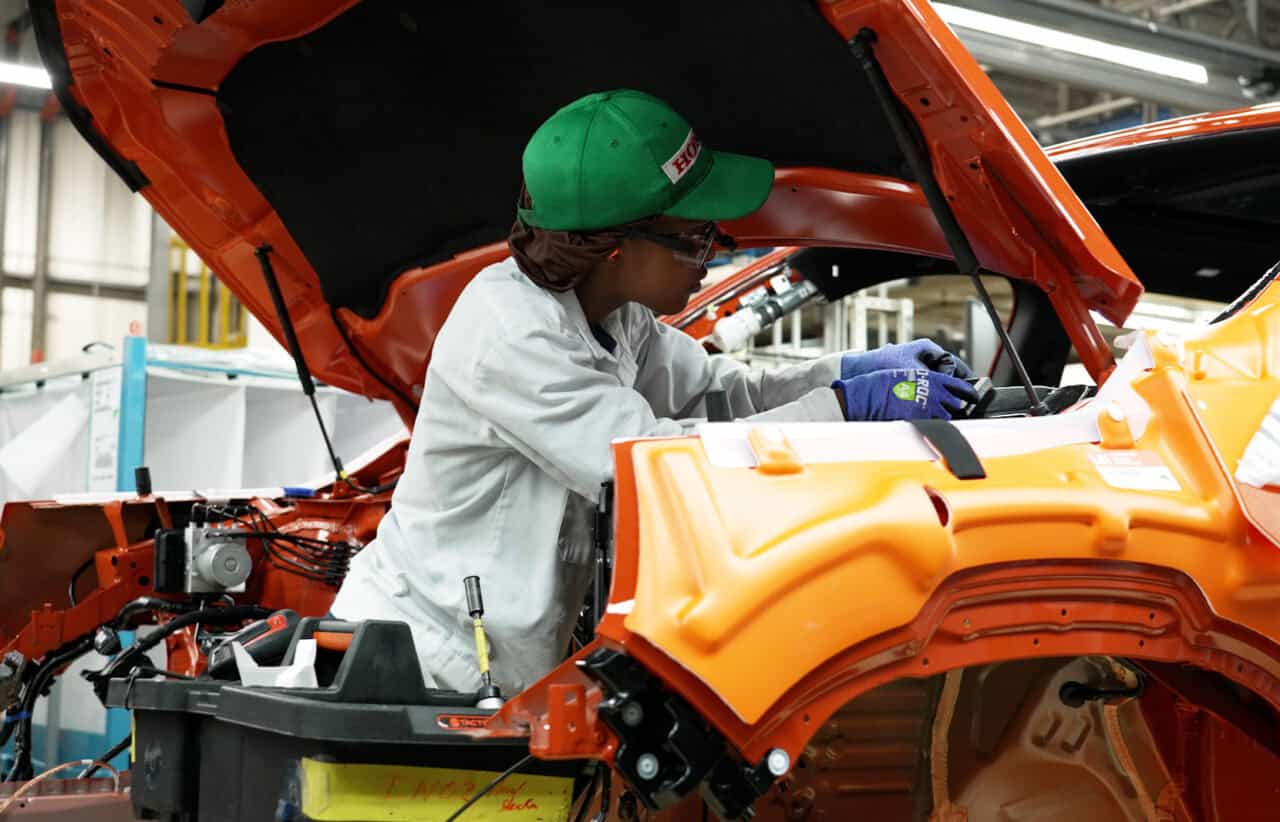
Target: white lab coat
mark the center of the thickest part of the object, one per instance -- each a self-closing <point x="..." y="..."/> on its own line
<point x="508" y="454"/>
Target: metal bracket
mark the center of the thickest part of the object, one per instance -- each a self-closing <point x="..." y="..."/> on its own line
<point x="666" y="750"/>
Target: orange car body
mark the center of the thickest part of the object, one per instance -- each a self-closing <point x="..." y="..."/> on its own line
<point x="772" y="589"/>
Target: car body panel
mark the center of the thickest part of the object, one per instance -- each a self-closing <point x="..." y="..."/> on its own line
<point x="770" y="596"/>
<point x="1181" y="128"/>
<point x="144" y="82"/>
<point x="737" y="565"/>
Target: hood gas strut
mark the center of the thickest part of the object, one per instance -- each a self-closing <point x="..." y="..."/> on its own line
<point x="263" y="253"/>
<point x="910" y="140"/>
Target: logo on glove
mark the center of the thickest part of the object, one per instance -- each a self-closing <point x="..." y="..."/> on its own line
<point x="916" y="391"/>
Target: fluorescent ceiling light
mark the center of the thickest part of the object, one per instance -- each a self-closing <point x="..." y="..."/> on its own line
<point x="19" y="75"/>
<point x="1072" y="43"/>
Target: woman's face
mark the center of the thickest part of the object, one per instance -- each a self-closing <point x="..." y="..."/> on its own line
<point x="655" y="276"/>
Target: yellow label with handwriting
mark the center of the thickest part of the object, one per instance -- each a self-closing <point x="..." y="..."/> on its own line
<point x="339" y="792"/>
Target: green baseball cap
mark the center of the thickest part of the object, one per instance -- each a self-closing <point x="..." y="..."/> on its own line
<point x="617" y="156"/>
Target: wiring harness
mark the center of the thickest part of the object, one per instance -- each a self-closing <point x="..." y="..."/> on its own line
<point x="39" y="677"/>
<point x="313" y="559"/>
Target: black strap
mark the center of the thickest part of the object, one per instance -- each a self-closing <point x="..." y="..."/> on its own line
<point x="956" y="451"/>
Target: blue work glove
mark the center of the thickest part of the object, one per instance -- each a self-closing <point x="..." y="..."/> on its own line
<point x="904" y="394"/>
<point x="920" y="353"/>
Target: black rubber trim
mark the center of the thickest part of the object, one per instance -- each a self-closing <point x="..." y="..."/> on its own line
<point x="44" y="20"/>
<point x="956" y="451"/>
<point x="180" y="87"/>
<point x="1248" y="296"/>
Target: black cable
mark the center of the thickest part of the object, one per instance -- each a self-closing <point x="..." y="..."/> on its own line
<point x="75" y="577"/>
<point x="319" y="561"/>
<point x="590" y="793"/>
<point x="131" y="657"/>
<point x="233" y="613"/>
<point x="377" y="489"/>
<point x="605" y="799"/>
<point x="9" y="724"/>
<point x="307" y="557"/>
<point x="47" y="672"/>
<point x="112" y="752"/>
<point x="480" y="794"/>
<point x="85" y="348"/>
<point x="43" y="678"/>
<point x="147" y="670"/>
<point x="144" y="603"/>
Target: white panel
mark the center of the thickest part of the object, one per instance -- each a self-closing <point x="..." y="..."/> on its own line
<point x="259" y="337"/>
<point x="15" y="347"/>
<point x="79" y="200"/>
<point x="79" y="708"/>
<point x="127" y="241"/>
<point x="22" y="407"/>
<point x="75" y="321"/>
<point x="44" y="440"/>
<point x="194" y="431"/>
<point x="98" y="230"/>
<point x="361" y="424"/>
<point x="21" y="192"/>
<point x="282" y="443"/>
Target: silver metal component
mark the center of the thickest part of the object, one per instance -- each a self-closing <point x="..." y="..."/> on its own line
<point x="106" y="640"/>
<point x="647" y="766"/>
<point x="10" y="678"/>
<point x="632" y="714"/>
<point x="490" y="703"/>
<point x="44" y="217"/>
<point x="217" y="560"/>
<point x="778" y="761"/>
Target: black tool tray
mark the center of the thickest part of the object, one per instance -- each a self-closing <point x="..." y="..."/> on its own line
<point x="212" y="751"/>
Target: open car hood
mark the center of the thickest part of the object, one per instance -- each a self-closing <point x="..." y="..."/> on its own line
<point x="375" y="145"/>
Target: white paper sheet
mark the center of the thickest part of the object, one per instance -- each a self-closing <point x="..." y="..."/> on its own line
<point x="301" y="673"/>
<point x="820" y="442"/>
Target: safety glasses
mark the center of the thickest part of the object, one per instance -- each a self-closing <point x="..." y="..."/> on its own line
<point x="694" y="247"/>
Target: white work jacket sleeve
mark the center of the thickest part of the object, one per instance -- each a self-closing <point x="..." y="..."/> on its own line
<point x="545" y="399"/>
<point x="675" y="374"/>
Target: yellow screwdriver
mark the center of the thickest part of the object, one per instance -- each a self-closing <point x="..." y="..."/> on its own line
<point x="489" y="697"/>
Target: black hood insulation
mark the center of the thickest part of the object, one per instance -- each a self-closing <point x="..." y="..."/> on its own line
<point x="1196" y="217"/>
<point x="392" y="136"/>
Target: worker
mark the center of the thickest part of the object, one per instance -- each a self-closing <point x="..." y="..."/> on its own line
<point x="551" y="354"/>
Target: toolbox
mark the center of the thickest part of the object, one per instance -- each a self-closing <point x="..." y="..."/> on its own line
<point x="371" y="742"/>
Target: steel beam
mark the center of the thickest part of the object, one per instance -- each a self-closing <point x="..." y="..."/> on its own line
<point x="1095" y="110"/>
<point x="44" y="215"/>
<point x="1183" y="6"/>
<point x="80" y="288"/>
<point x="1047" y="64"/>
<point x="1226" y="57"/>
<point x="159" y="283"/>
